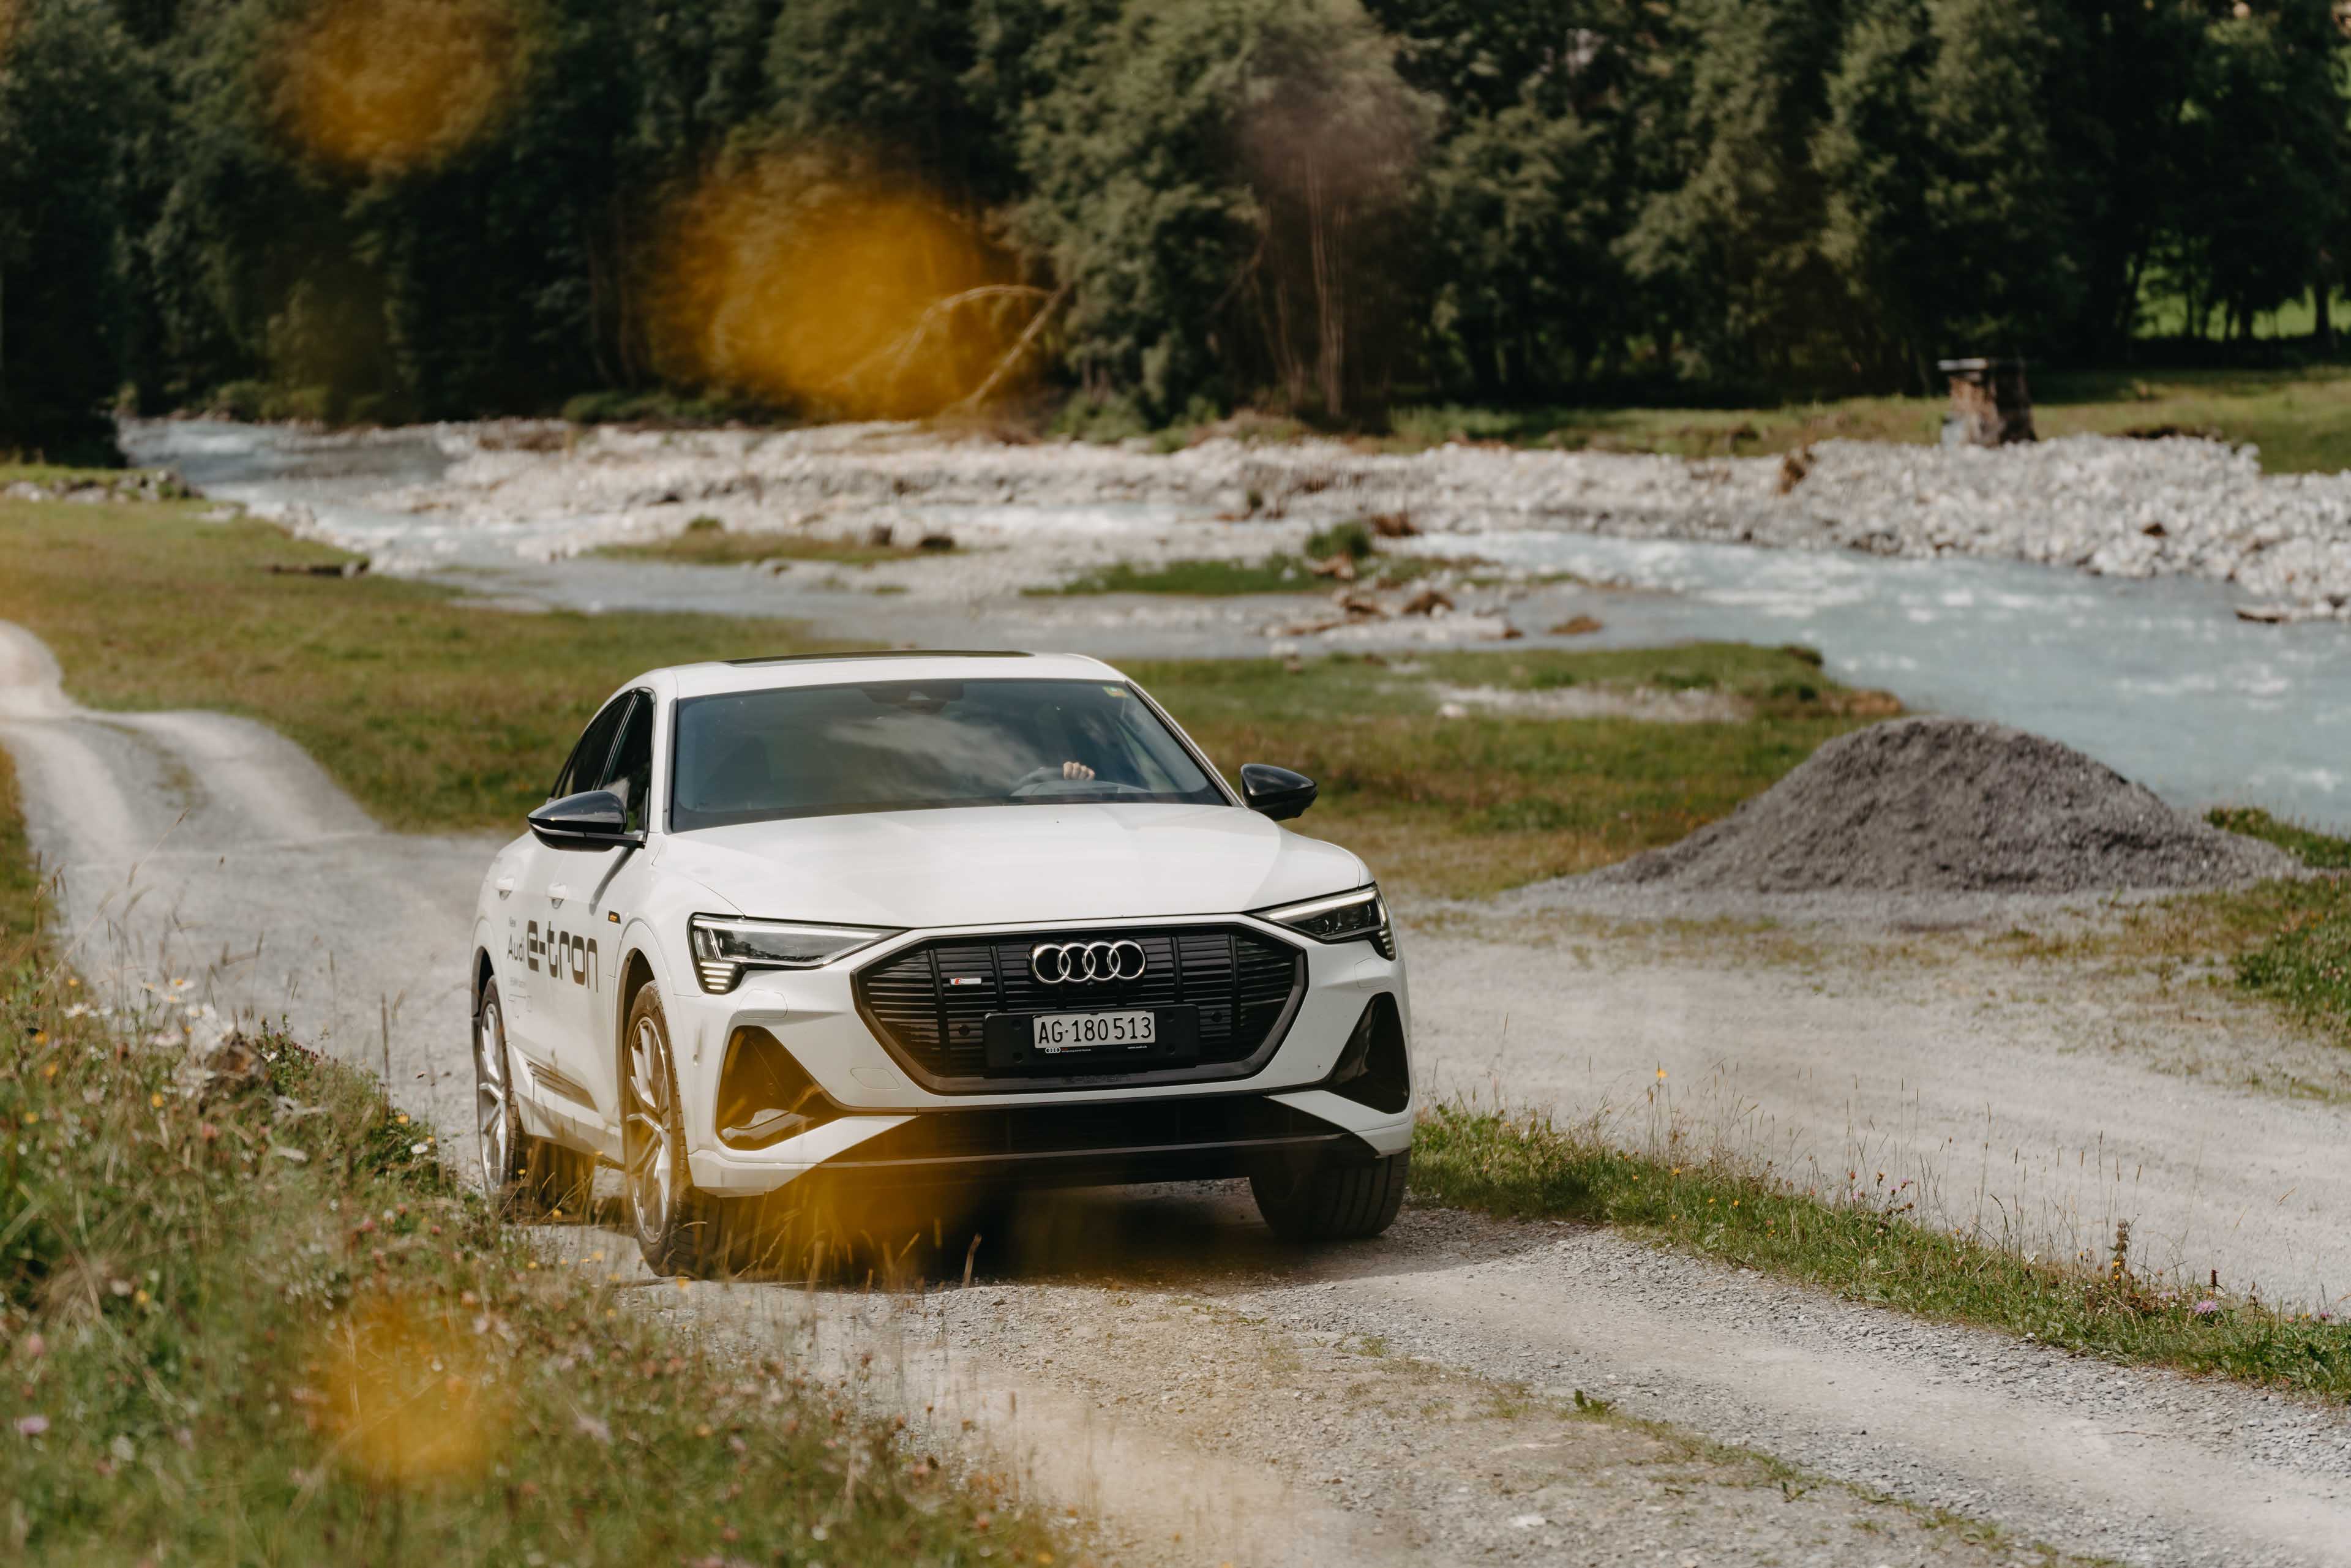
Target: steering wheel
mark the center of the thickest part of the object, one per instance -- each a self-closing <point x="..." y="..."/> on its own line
<point x="1028" y="783"/>
<point x="1044" y="780"/>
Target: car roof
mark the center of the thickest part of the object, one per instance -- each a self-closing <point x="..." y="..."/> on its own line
<point x="757" y="675"/>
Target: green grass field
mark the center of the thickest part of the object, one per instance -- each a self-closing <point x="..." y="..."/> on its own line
<point x="440" y="715"/>
<point x="1457" y="807"/>
<point x="434" y="714"/>
<point x="2301" y="419"/>
<point x="2287" y="942"/>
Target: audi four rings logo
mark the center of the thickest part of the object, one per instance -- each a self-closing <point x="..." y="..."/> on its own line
<point x="1077" y="962"/>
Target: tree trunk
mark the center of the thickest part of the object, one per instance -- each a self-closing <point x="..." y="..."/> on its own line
<point x="2324" y="326"/>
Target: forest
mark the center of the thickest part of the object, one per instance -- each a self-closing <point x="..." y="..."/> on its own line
<point x="387" y="210"/>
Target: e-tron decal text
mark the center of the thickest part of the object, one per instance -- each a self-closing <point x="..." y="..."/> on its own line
<point x="562" y="954"/>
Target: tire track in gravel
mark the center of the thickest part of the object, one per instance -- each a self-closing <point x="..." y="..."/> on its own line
<point x="208" y="848"/>
<point x="2045" y="1104"/>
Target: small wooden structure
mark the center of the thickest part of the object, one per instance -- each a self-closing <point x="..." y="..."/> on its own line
<point x="1989" y="403"/>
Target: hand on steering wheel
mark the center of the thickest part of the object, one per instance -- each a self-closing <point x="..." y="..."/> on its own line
<point x="1049" y="774"/>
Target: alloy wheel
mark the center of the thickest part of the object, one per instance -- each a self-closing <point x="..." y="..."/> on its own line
<point x="493" y="1117"/>
<point x="649" y="1157"/>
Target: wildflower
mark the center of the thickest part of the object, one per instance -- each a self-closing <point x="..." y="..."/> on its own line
<point x="2205" y="1308"/>
<point x="1661" y="1075"/>
<point x="31" y="1426"/>
<point x="156" y="1101"/>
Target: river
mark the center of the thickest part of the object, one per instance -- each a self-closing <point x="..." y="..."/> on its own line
<point x="2157" y="678"/>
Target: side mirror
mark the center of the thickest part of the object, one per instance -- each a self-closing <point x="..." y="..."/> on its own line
<point x="1275" y="793"/>
<point x="591" y="819"/>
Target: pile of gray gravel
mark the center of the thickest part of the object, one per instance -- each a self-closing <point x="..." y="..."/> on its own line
<point x="1950" y="805"/>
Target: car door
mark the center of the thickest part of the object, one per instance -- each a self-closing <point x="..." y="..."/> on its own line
<point x="588" y="903"/>
<point x="536" y="979"/>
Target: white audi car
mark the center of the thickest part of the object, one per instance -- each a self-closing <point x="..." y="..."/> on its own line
<point x="924" y="925"/>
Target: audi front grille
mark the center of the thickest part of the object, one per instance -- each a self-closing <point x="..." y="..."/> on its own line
<point x="929" y="1003"/>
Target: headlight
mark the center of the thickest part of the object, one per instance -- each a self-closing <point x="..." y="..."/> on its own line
<point x="1342" y="917"/>
<point x="724" y="947"/>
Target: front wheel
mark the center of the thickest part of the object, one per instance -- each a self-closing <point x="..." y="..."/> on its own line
<point x="681" y="1230"/>
<point x="525" y="1175"/>
<point x="1332" y="1201"/>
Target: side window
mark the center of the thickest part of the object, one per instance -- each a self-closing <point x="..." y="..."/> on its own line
<point x="585" y="771"/>
<point x="630" y="776"/>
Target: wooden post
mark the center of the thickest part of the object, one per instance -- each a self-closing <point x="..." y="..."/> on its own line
<point x="1990" y="405"/>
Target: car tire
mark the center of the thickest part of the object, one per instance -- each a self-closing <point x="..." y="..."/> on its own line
<point x="526" y="1177"/>
<point x="1331" y="1200"/>
<point x="681" y="1230"/>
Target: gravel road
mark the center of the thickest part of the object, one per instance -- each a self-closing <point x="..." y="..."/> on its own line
<point x="198" y="848"/>
<point x="2041" y="1101"/>
<point x="211" y="871"/>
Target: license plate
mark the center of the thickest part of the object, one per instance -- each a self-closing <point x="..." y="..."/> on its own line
<point x="1093" y="1032"/>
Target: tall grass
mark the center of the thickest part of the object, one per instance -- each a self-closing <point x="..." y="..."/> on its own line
<point x="247" y="1315"/>
<point x="22" y="895"/>
<point x="2293" y="940"/>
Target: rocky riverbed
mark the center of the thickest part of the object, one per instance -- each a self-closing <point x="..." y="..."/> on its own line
<point x="2180" y="505"/>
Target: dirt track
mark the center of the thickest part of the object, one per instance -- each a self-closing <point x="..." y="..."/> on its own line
<point x="198" y="847"/>
<point x="202" y="848"/>
<point x="2040" y="1101"/>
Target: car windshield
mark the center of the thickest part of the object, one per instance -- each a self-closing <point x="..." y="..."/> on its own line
<point x="902" y="746"/>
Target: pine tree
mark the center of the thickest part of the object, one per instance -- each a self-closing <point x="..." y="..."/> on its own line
<point x="1220" y="183"/>
<point x="1876" y="156"/>
<point x="67" y="94"/>
<point x="1735" y="242"/>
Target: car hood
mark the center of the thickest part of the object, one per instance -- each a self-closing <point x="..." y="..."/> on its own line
<point x="1008" y="864"/>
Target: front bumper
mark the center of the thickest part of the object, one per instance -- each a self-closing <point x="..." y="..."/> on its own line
<point x="1099" y="1131"/>
<point x="1089" y="1142"/>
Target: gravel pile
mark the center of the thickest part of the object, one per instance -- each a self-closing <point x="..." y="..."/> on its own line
<point x="1953" y="806"/>
<point x="2124" y="508"/>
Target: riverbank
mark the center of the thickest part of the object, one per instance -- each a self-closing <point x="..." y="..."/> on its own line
<point x="2180" y="505"/>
